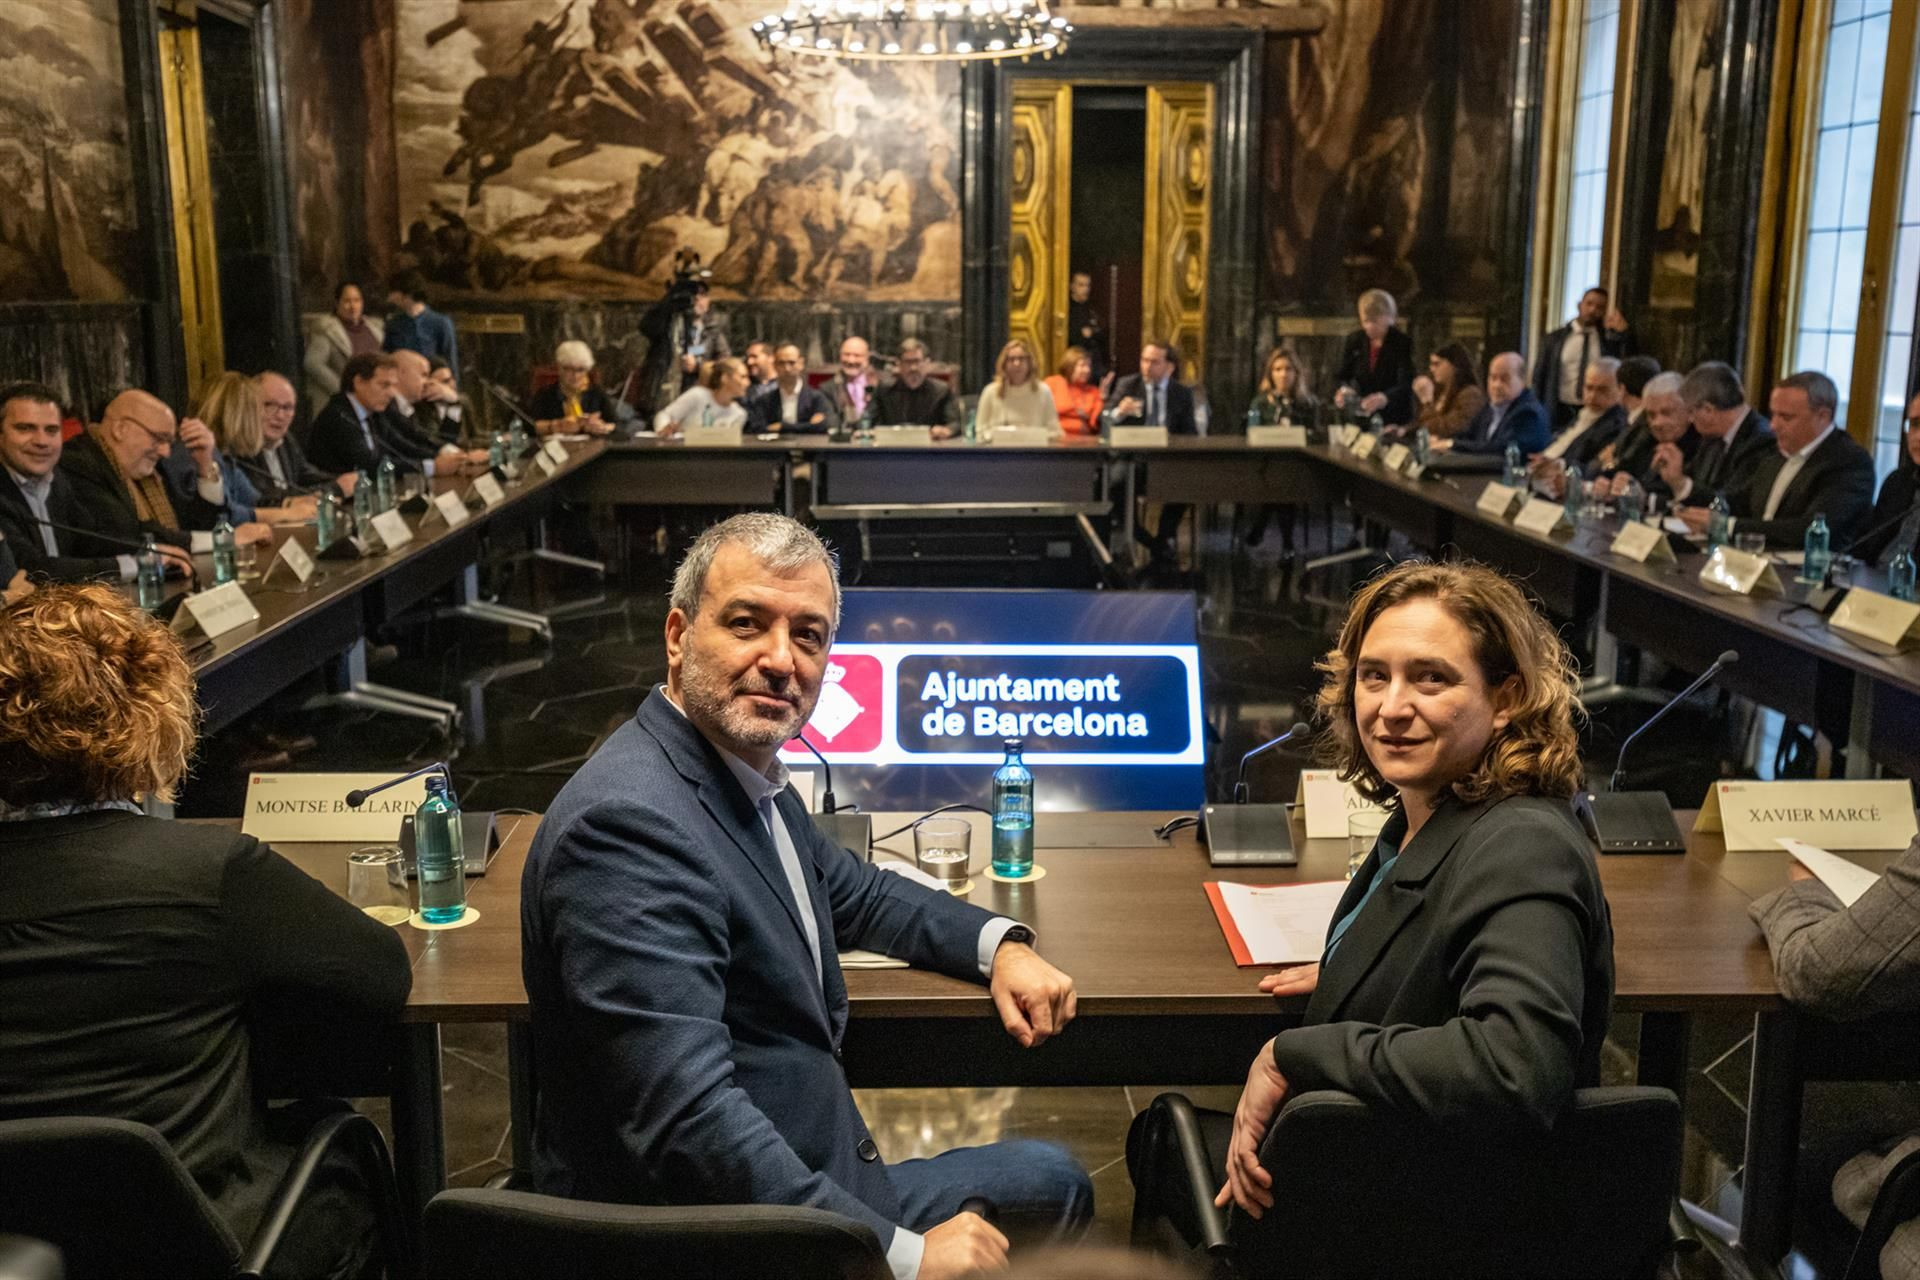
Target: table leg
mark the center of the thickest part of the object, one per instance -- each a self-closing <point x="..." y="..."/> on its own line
<point x="520" y="1096"/>
<point x="1665" y="1039"/>
<point x="419" y="1125"/>
<point x="1773" y="1138"/>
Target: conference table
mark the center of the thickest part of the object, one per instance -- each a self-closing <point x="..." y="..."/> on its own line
<point x="1160" y="997"/>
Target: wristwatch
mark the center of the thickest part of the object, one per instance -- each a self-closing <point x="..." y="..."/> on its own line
<point x="1019" y="933"/>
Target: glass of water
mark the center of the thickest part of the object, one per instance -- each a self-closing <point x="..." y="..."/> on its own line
<point x="1754" y="544"/>
<point x="1363" y="832"/>
<point x="377" y="883"/>
<point x="942" y="848"/>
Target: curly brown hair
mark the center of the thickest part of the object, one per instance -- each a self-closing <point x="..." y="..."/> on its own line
<point x="96" y="700"/>
<point x="1537" y="753"/>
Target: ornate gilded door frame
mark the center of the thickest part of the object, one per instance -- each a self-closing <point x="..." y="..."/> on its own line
<point x="1178" y="221"/>
<point x="1039" y="216"/>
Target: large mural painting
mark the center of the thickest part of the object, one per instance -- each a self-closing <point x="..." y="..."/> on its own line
<point x="568" y="148"/>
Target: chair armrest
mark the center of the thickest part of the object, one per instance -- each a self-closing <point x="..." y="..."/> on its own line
<point x="1198" y="1172"/>
<point x="24" y="1258"/>
<point x="358" y="1139"/>
<point x="1898" y="1201"/>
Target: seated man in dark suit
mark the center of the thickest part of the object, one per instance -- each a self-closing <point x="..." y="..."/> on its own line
<point x="682" y="921"/>
<point x="1816" y="469"/>
<point x="123" y="492"/>
<point x="280" y="471"/>
<point x="1667" y="422"/>
<point x="790" y="405"/>
<point x="34" y="491"/>
<point x="1515" y="417"/>
<point x="412" y="424"/>
<point x="1155" y="397"/>
<point x="356" y="430"/>
<point x="1734" y="443"/>
<point x="913" y="399"/>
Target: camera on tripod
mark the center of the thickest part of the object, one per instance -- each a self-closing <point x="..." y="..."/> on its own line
<point x="689" y="278"/>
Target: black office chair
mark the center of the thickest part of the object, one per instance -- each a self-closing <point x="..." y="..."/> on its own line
<point x="1361" y="1193"/>
<point x="25" y="1259"/>
<point x="517" y="1235"/>
<point x="1898" y="1202"/>
<point x="115" y="1200"/>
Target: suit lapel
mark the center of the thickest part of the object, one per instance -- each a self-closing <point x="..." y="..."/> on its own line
<point x="1392" y="906"/>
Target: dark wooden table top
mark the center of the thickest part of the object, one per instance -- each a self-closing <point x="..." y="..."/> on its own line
<point x="1128" y="919"/>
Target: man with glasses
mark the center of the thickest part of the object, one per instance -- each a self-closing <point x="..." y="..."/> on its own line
<point x="280" y="471"/>
<point x="913" y="399"/>
<point x="116" y="474"/>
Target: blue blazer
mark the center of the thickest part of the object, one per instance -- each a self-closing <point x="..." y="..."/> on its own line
<point x="684" y="1050"/>
<point x="1524" y="423"/>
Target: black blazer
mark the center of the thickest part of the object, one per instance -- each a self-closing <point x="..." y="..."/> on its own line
<point x="1604" y="431"/>
<point x="1546" y="366"/>
<point x="1475" y="985"/>
<point x="1391" y="376"/>
<point x="335" y="441"/>
<point x="302" y="476"/>
<point x="1180" y="421"/>
<point x="1635" y="457"/>
<point x="548" y="405"/>
<point x="1837" y="482"/>
<point x="104" y="506"/>
<point x="763" y="411"/>
<point x="1898" y="496"/>
<point x="81" y="558"/>
<point x="1717" y="469"/>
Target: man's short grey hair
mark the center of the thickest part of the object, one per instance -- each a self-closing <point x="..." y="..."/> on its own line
<point x="1713" y="384"/>
<point x="1816" y="386"/>
<point x="779" y="542"/>
<point x="1378" y="302"/>
<point x="574" y="352"/>
<point x="1663" y="384"/>
<point x="1607" y="365"/>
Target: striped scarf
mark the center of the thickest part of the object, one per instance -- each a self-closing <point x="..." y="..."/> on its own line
<point x="150" y="500"/>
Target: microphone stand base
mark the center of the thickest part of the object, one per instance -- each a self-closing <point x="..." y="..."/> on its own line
<point x="1248" y="835"/>
<point x="851" y="831"/>
<point x="1630" y="821"/>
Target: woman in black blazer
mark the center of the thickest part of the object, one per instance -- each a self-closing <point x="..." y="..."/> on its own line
<point x="1469" y="969"/>
<point x="1376" y="364"/>
<point x="135" y="952"/>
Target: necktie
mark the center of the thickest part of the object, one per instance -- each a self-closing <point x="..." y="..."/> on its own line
<point x="1153" y="406"/>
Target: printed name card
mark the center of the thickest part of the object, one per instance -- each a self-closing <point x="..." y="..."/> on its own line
<point x="1543" y="517"/>
<point x="489" y="490"/>
<point x="555" y="450"/>
<point x="1329" y="803"/>
<point x="1346" y="436"/>
<point x="1641" y="543"/>
<point x="299" y="807"/>
<point x="1396" y="456"/>
<point x="393" y="530"/>
<point x="1499" y="501"/>
<point x="1876" y="622"/>
<point x="215" y="611"/>
<point x="903" y="437"/>
<point x="1284" y="436"/>
<point x="451" y="509"/>
<point x="1026" y="437"/>
<point x="1735" y="573"/>
<point x="295" y="558"/>
<point x="716" y="435"/>
<point x="1139" y="437"/>
<point x="1832" y="815"/>
<point x="1364" y="446"/>
<point x="545" y="462"/>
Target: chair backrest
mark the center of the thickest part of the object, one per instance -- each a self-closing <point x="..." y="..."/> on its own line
<point x="517" y="1235"/>
<point x="1360" y="1193"/>
<point x="112" y="1197"/>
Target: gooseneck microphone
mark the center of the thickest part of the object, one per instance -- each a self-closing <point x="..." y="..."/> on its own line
<point x="827" y="802"/>
<point x="357" y="798"/>
<point x="1240" y="793"/>
<point x="479" y="833"/>
<point x="1725" y="660"/>
<point x="1898" y="519"/>
<point x="115" y="540"/>
<point x="851" y="831"/>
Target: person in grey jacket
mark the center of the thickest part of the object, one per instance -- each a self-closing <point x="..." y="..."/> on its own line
<point x="1847" y="963"/>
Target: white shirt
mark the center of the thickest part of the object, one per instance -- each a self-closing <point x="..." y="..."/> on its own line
<point x="1574" y="356"/>
<point x="697" y="405"/>
<point x="1789" y="469"/>
<point x="789" y="406"/>
<point x="1564" y="441"/>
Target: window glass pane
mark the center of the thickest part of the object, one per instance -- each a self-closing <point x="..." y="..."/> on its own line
<point x="1816" y="298"/>
<point x="1862" y="139"/>
<point x="1873" y="68"/>
<point x="1830" y="161"/>
<point x="1592" y="140"/>
<point x="1896" y="353"/>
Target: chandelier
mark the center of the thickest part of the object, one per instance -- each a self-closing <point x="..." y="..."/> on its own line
<point x="924" y="30"/>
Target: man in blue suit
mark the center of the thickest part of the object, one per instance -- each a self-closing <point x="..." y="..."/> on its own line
<point x="682" y="921"/>
<point x="1518" y="417"/>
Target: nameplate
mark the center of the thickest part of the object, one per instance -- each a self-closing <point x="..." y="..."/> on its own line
<point x="1641" y="543"/>
<point x="545" y="462"/>
<point x="392" y="528"/>
<point x="1346" y="435"/>
<point x="295" y="557"/>
<point x="555" y="450"/>
<point x="1876" y="622"/>
<point x="1139" y="437"/>
<point x="1365" y="445"/>
<point x="303" y="807"/>
<point x="491" y="494"/>
<point x="215" y="611"/>
<point x="714" y="436"/>
<point x="1396" y="457"/>
<point x="1543" y="517"/>
<point x="1499" y="501"/>
<point x="1329" y="802"/>
<point x="1833" y="815"/>
<point x="1027" y="437"/>
<point x="450" y="509"/>
<point x="1280" y="437"/>
<point x="903" y="437"/>
<point x="1735" y="573"/>
<point x="1414" y="468"/>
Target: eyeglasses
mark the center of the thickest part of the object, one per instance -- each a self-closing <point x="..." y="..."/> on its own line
<point x="161" y="438"/>
<point x="276" y="406"/>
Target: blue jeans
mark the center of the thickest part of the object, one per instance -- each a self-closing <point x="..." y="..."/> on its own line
<point x="1040" y="1193"/>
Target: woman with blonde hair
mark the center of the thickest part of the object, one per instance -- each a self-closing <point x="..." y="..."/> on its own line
<point x="717" y="399"/>
<point x="1283" y="398"/>
<point x="230" y="406"/>
<point x="135" y="952"/>
<point x="1468" y="972"/>
<point x="1017" y="397"/>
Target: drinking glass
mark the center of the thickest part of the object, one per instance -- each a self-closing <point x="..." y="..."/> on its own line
<point x="1754" y="544"/>
<point x="246" y="562"/>
<point x="377" y="883"/>
<point x="1363" y="832"/>
<point x="942" y="848"/>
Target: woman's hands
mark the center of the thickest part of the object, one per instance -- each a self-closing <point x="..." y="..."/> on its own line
<point x="1249" y="1185"/>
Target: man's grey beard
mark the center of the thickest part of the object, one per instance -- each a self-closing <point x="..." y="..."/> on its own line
<point x="708" y="698"/>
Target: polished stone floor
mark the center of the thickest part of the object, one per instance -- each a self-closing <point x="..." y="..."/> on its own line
<point x="537" y="711"/>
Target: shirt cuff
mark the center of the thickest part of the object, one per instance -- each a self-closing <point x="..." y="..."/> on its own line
<point x="992" y="934"/>
<point x="905" y="1252"/>
<point x="449" y="449"/>
<point x="202" y="541"/>
<point x="129" y="568"/>
<point x="426" y="467"/>
<point x="1685" y="490"/>
<point x="214" y="490"/>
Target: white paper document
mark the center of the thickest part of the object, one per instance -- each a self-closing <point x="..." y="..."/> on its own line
<point x="1278" y="923"/>
<point x="1847" y="880"/>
